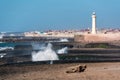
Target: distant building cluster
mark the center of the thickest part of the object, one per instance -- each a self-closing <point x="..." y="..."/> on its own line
<point x="108" y="31"/>
<point x="69" y="33"/>
<point x="57" y="33"/>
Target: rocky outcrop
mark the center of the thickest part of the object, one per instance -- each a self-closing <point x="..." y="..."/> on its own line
<point x="74" y="69"/>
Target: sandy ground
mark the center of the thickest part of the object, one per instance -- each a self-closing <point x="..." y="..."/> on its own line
<point x="94" y="71"/>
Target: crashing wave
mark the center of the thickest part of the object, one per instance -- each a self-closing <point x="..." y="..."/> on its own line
<point x="64" y="40"/>
<point x="6" y="48"/>
<point x="2" y="55"/>
<point x="62" y="51"/>
<point x="44" y="55"/>
<point x="38" y="46"/>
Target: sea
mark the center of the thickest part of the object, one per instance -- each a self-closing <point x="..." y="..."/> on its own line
<point x="36" y="50"/>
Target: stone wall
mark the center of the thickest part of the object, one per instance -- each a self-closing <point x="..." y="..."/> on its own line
<point x="97" y="37"/>
<point x="79" y="38"/>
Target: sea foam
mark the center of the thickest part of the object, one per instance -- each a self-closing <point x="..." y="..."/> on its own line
<point x="62" y="51"/>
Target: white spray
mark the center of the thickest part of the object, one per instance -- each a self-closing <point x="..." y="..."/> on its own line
<point x="63" y="50"/>
<point x="38" y="46"/>
<point x="1" y="36"/>
<point x="44" y="55"/>
<point x="6" y="48"/>
<point x="64" y="40"/>
<point x="2" y="55"/>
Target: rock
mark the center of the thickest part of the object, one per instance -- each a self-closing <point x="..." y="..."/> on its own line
<point x="74" y="69"/>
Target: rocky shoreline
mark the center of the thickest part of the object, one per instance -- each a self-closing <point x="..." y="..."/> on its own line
<point x="94" y="71"/>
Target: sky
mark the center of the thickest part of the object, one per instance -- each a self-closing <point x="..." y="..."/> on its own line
<point x="41" y="15"/>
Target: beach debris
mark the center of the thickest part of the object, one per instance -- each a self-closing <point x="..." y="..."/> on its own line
<point x="78" y="68"/>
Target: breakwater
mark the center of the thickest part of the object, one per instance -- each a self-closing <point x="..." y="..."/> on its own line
<point x="73" y="55"/>
<point x="31" y="39"/>
<point x="77" y="52"/>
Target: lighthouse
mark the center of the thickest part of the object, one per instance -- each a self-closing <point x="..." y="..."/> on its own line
<point x="93" y="23"/>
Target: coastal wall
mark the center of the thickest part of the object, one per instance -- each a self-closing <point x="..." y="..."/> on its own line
<point x="97" y="37"/>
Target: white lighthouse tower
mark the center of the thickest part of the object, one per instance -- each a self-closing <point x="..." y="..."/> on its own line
<point x="94" y="23"/>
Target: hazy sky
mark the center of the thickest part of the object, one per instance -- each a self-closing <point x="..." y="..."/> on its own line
<point x="28" y="15"/>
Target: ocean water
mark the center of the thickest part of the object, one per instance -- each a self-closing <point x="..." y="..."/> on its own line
<point x="40" y="51"/>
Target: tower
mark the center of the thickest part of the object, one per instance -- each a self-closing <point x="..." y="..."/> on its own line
<point x="93" y="23"/>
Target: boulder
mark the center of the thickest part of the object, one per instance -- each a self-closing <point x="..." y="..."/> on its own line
<point x="74" y="69"/>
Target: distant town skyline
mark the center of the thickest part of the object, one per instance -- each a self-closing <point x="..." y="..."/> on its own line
<point x="28" y="15"/>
